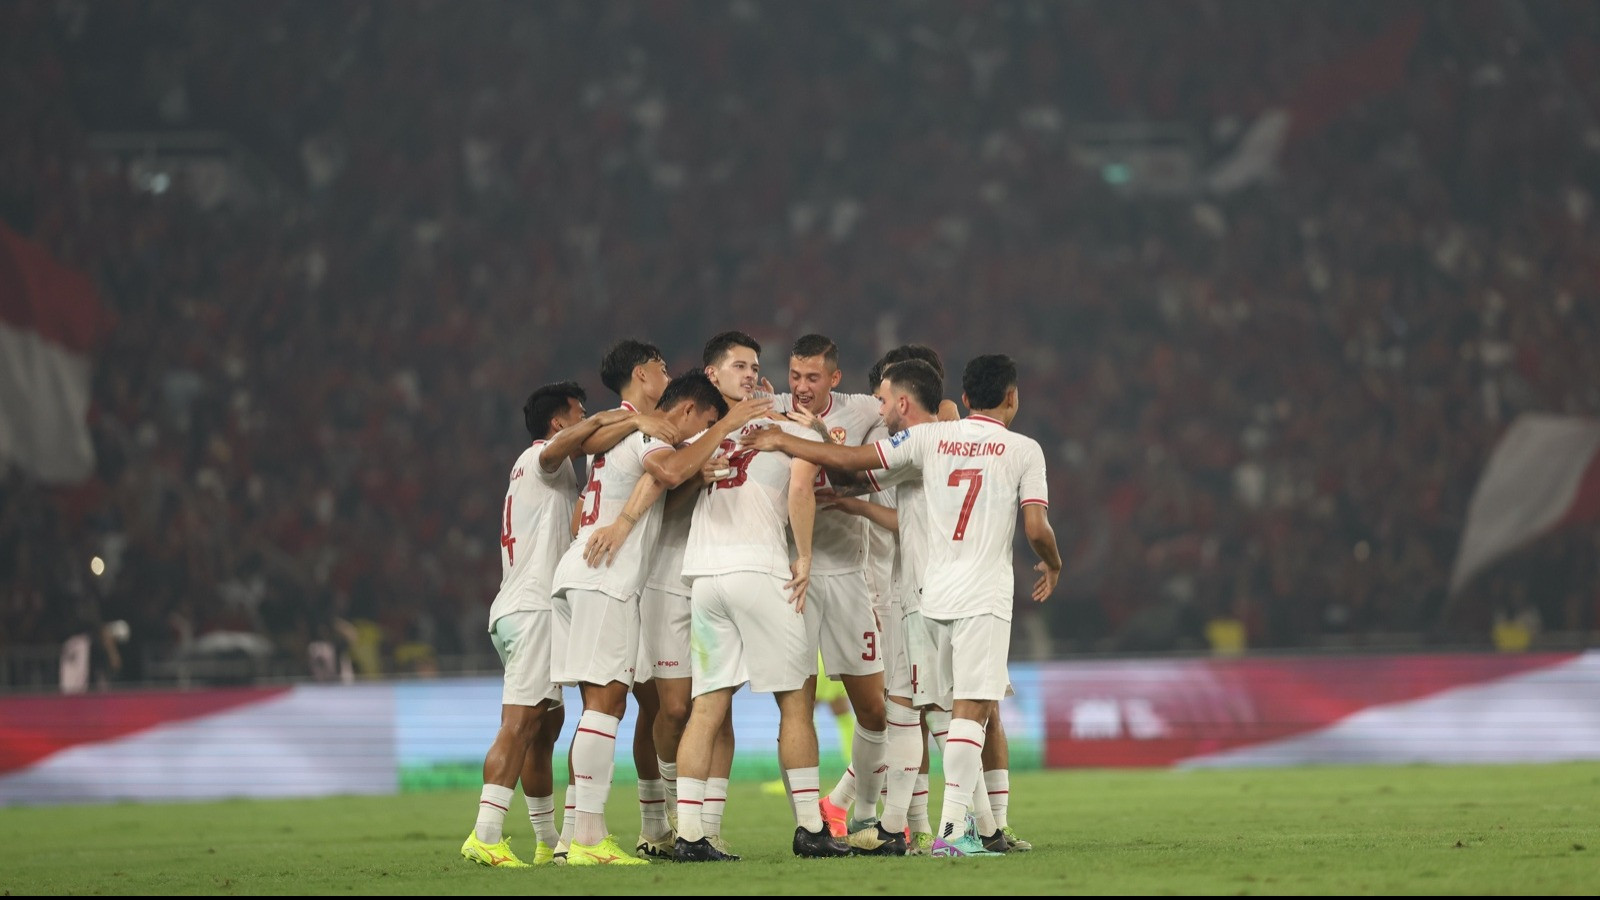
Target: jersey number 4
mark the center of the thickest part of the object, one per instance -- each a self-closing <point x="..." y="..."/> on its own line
<point x="974" y="479"/>
<point x="506" y="539"/>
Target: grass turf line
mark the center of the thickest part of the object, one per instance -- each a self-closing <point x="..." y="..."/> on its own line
<point x="1367" y="830"/>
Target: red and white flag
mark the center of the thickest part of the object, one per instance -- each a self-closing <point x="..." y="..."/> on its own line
<point x="1543" y="475"/>
<point x="51" y="324"/>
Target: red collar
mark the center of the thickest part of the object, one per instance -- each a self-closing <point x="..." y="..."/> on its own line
<point x="629" y="406"/>
<point x="986" y="419"/>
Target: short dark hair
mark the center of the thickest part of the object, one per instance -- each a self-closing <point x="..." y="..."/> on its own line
<point x="810" y="345"/>
<point x="986" y="380"/>
<point x="901" y="354"/>
<point x="919" y="379"/>
<point x="693" y="386"/>
<point x="545" y="402"/>
<point x="719" y="345"/>
<point x="617" y="366"/>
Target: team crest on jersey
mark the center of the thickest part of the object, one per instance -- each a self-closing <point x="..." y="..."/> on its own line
<point x="899" y="438"/>
<point x="837" y="434"/>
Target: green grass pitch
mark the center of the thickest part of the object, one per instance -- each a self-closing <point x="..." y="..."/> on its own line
<point x="1366" y="830"/>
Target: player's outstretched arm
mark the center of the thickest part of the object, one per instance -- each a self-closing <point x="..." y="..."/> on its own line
<point x="604" y="542"/>
<point x="802" y="521"/>
<point x="568" y="441"/>
<point x="611" y="434"/>
<point x="876" y="513"/>
<point x="823" y="453"/>
<point x="1042" y="538"/>
<point x="673" y="469"/>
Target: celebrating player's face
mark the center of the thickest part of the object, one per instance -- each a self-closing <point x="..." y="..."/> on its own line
<point x="891" y="407"/>
<point x="810" y="380"/>
<point x="570" y="416"/>
<point x="737" y="374"/>
<point x="655" y="378"/>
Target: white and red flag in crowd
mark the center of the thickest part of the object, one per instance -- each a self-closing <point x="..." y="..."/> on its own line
<point x="51" y="324"/>
<point x="1543" y="475"/>
<point x="1368" y="70"/>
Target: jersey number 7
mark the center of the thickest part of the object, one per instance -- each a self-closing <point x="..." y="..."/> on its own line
<point x="974" y="479"/>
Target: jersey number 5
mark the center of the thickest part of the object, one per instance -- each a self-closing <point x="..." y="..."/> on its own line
<point x="592" y="489"/>
<point x="974" y="477"/>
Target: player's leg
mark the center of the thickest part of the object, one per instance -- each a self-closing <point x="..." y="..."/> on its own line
<point x="601" y="658"/>
<point x="538" y="782"/>
<point x="717" y="656"/>
<point x="997" y="778"/>
<point x="977" y="650"/>
<point x="655" y="834"/>
<point x="516" y="639"/>
<point x="717" y="785"/>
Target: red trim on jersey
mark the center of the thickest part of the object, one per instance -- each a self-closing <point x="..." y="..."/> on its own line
<point x="824" y="413"/>
<point x="877" y="445"/>
<point x="987" y="419"/>
<point x="655" y="450"/>
<point x="629" y="406"/>
<point x="1038" y="502"/>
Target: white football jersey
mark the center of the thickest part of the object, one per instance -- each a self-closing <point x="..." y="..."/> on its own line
<point x="914" y="536"/>
<point x="535" y="520"/>
<point x="613" y="475"/>
<point x="840" y="543"/>
<point x="666" y="569"/>
<point x="976" y="475"/>
<point x="740" y="523"/>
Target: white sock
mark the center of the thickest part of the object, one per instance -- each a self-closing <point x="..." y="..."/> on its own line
<point x="867" y="755"/>
<point x="594" y="750"/>
<point x="805" y="795"/>
<point x="844" y="793"/>
<point x="980" y="805"/>
<point x="716" y="801"/>
<point x="902" y="753"/>
<point x="492" y="806"/>
<point x="542" y="816"/>
<point x="653" y="808"/>
<point x="691" y="802"/>
<point x="669" y="778"/>
<point x="917" y="814"/>
<point x="938" y="727"/>
<point x="963" y="764"/>
<point x="999" y="782"/>
<point x="569" y="818"/>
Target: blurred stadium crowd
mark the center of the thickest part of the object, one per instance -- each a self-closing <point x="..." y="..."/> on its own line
<point x="1265" y="406"/>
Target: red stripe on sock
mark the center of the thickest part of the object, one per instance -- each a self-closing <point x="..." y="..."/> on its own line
<point x="849" y="771"/>
<point x="652" y="801"/>
<point x="906" y="725"/>
<point x="919" y="793"/>
<point x="601" y="733"/>
<point x="799" y="791"/>
<point x="681" y="802"/>
<point x="940" y="734"/>
<point x="964" y="741"/>
<point x="570" y="806"/>
<point x="493" y="804"/>
<point x="992" y="793"/>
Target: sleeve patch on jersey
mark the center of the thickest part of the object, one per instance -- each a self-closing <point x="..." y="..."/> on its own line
<point x="899" y="437"/>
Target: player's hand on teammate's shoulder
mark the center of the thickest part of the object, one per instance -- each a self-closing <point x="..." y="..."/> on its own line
<point x="806" y="419"/>
<point x="767" y="437"/>
<point x="612" y="416"/>
<point x="659" y="428"/>
<point x="748" y="410"/>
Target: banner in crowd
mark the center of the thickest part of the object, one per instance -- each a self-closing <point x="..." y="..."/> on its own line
<point x="1543" y="475"/>
<point x="51" y="323"/>
<point x="319" y="740"/>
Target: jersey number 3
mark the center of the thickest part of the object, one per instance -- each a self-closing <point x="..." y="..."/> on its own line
<point x="974" y="479"/>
